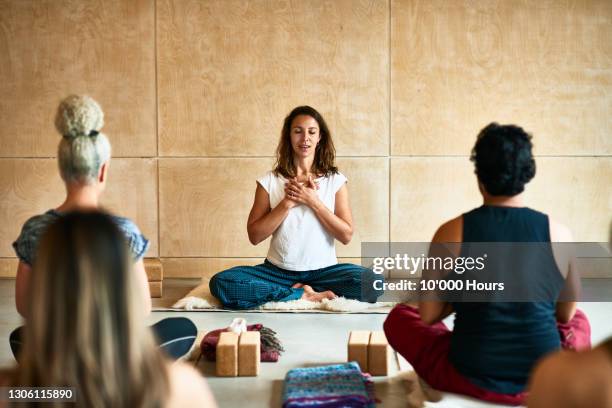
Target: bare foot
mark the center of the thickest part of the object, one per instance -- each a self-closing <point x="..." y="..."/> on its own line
<point x="310" y="294"/>
<point x="298" y="285"/>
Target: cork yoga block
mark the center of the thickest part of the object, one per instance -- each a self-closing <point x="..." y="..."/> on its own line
<point x="155" y="276"/>
<point x="358" y="348"/>
<point x="238" y="355"/>
<point x="154" y="269"/>
<point x="371" y="351"/>
<point x="156" y="289"/>
<point x="379" y="354"/>
<point x="249" y="346"/>
<point x="227" y="355"/>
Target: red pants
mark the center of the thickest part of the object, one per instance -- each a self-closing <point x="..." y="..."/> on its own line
<point x="426" y="348"/>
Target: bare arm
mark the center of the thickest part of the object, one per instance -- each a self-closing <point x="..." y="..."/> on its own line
<point x="22" y="288"/>
<point x="565" y="310"/>
<point x="434" y="311"/>
<point x="143" y="284"/>
<point x="566" y="262"/>
<point x="339" y="223"/>
<point x="263" y="220"/>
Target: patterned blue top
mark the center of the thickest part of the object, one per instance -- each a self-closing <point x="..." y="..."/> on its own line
<point x="27" y="243"/>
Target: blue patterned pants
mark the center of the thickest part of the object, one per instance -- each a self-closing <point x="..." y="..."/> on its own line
<point x="245" y="287"/>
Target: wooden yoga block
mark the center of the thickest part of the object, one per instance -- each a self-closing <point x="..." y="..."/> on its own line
<point x="249" y="356"/>
<point x="156" y="289"/>
<point x="358" y="348"/>
<point x="155" y="276"/>
<point x="227" y="355"/>
<point x="380" y="354"/>
<point x="154" y="269"/>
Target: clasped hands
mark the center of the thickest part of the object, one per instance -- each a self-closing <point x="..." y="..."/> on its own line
<point x="298" y="193"/>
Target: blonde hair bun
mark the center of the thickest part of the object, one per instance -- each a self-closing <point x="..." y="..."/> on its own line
<point x="78" y="115"/>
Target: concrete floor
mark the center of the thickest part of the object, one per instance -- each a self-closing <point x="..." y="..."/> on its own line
<point x="309" y="339"/>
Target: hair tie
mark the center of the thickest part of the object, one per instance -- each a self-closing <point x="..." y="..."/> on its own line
<point x="93" y="133"/>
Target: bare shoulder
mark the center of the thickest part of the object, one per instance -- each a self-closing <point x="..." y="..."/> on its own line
<point x="450" y="231"/>
<point x="558" y="231"/>
<point x="545" y="382"/>
<point x="588" y="380"/>
<point x="188" y="388"/>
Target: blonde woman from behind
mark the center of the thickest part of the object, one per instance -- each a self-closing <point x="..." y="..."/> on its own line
<point x="97" y="342"/>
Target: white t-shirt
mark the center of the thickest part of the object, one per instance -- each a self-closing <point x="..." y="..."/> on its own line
<point x="301" y="243"/>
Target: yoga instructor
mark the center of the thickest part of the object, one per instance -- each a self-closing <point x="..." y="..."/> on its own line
<point x="303" y="204"/>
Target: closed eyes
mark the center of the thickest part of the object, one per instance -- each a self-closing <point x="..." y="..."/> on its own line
<point x="311" y="131"/>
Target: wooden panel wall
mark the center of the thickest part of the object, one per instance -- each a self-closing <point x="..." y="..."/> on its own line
<point x="230" y="70"/>
<point x="458" y="65"/>
<point x="52" y="48"/>
<point x="195" y="92"/>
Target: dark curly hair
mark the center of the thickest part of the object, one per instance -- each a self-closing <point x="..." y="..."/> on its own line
<point x="503" y="159"/>
<point x="325" y="155"/>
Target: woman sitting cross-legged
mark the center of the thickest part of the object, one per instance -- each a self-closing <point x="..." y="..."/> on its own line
<point x="303" y="204"/>
<point x="86" y="325"/>
<point x="84" y="158"/>
<point x="494" y="345"/>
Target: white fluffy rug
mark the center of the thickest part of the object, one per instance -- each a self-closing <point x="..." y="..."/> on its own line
<point x="200" y="298"/>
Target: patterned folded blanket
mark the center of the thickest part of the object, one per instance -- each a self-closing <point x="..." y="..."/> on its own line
<point x="271" y="347"/>
<point x="332" y="386"/>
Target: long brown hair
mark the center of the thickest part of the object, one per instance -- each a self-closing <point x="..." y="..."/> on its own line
<point x="86" y="327"/>
<point x="325" y="154"/>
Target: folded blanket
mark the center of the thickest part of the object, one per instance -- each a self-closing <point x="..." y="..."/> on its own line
<point x="332" y="386"/>
<point x="271" y="347"/>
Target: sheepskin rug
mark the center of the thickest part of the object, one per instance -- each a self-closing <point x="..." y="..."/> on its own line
<point x="200" y="298"/>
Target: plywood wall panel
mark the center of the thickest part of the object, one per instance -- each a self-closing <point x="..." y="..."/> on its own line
<point x="368" y="185"/>
<point x="27" y="187"/>
<point x="204" y="206"/>
<point x="50" y="49"/>
<point x="427" y="191"/>
<point x="577" y="192"/>
<point x="545" y="65"/>
<point x="131" y="192"/>
<point x="224" y="73"/>
<point x="229" y="71"/>
<point x="33" y="186"/>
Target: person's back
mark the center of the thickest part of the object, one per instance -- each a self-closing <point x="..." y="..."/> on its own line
<point x="96" y="343"/>
<point x="499" y="334"/>
<point x="495" y="344"/>
<point x="83" y="157"/>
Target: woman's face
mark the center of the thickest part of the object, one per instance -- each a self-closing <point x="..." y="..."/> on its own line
<point x="304" y="136"/>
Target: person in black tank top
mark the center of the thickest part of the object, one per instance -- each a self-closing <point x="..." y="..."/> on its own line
<point x="494" y="345"/>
